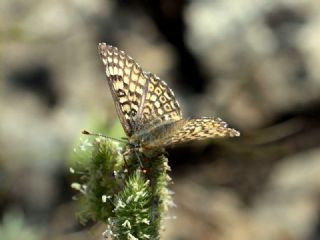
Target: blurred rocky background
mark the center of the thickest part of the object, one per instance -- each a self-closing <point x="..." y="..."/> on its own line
<point x="253" y="63"/>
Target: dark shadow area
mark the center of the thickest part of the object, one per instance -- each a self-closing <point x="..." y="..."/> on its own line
<point x="36" y="80"/>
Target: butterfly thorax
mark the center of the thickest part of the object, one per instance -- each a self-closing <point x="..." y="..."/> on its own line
<point x="147" y="138"/>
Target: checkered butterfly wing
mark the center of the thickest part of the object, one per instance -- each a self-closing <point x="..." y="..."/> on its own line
<point x="141" y="99"/>
<point x="194" y="129"/>
<point x="160" y="104"/>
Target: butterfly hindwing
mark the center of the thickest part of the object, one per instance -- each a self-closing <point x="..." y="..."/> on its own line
<point x="160" y="104"/>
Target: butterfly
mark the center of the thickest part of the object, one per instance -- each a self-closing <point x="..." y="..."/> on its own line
<point x="147" y="108"/>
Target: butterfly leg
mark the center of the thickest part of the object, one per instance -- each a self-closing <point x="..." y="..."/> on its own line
<point x="137" y="155"/>
<point x="128" y="151"/>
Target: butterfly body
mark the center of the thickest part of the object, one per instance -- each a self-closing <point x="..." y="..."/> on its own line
<point x="147" y="108"/>
<point x="148" y="138"/>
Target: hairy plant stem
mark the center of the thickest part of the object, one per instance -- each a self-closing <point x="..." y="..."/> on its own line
<point x="128" y="192"/>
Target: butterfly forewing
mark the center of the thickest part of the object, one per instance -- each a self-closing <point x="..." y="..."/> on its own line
<point x="194" y="129"/>
<point x="142" y="99"/>
<point x="127" y="82"/>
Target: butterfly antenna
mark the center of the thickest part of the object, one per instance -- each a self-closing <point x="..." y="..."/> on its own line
<point x="85" y="132"/>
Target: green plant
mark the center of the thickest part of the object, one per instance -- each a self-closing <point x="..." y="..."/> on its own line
<point x="123" y="188"/>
